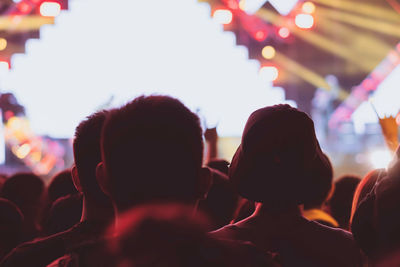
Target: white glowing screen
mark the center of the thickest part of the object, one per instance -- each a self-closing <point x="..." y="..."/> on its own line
<point x="100" y="52"/>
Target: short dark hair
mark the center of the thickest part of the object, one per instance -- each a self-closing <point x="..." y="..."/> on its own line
<point x="26" y="190"/>
<point x="152" y="148"/>
<point x="87" y="153"/>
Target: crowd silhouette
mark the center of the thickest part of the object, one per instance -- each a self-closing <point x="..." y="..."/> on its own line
<point x="142" y="192"/>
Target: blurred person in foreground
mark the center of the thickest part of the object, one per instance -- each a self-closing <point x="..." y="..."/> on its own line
<point x="376" y="219"/>
<point x="11" y="220"/>
<point x="273" y="166"/>
<point x="170" y="235"/>
<point x="319" y="194"/>
<point x="97" y="211"/>
<point x="28" y="192"/>
<point x="152" y="151"/>
<point x="342" y="198"/>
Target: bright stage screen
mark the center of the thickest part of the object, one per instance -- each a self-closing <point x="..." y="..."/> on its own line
<point x="385" y="100"/>
<point x="111" y="51"/>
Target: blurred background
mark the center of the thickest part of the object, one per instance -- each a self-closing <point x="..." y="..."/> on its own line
<point x="339" y="61"/>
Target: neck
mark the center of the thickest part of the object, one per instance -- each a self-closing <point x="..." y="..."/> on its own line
<point x="264" y="214"/>
<point x="94" y="211"/>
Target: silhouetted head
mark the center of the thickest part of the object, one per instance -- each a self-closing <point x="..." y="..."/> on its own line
<point x="321" y="184"/>
<point x="152" y="149"/>
<point x="277" y="157"/>
<point x="87" y="154"/>
<point x="61" y="185"/>
<point x="27" y="191"/>
<point x="65" y="212"/>
<point x="365" y="187"/>
<point x="342" y="199"/>
<point x="11" y="220"/>
<point x="376" y="219"/>
<point x="221" y="201"/>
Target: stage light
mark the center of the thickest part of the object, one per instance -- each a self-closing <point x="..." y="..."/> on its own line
<point x="308" y="8"/>
<point x="50" y="9"/>
<point x="284" y="32"/>
<point x="304" y="21"/>
<point x="3" y="44"/>
<point x="23" y="151"/>
<point x="24" y="7"/>
<point x="269" y="73"/>
<point x="268" y="52"/>
<point x="223" y="16"/>
<point x="260" y="35"/>
<point x="380" y="158"/>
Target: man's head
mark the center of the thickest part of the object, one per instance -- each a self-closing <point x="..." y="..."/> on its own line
<point x="87" y="154"/>
<point x="276" y="158"/>
<point x="152" y="149"/>
<point x="27" y="191"/>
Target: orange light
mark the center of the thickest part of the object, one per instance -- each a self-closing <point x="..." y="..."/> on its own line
<point x="223" y="16"/>
<point x="308" y="8"/>
<point x="304" y="21"/>
<point x="268" y="52"/>
<point x="50" y="9"/>
<point x="3" y="44"/>
<point x="284" y="32"/>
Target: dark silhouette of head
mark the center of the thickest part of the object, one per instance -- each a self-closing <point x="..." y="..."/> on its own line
<point x="65" y="212"/>
<point x="342" y="199"/>
<point x="321" y="184"/>
<point x="28" y="192"/>
<point x="221" y="201"/>
<point x="11" y="220"/>
<point x="152" y="149"/>
<point x="276" y="159"/>
<point x="364" y="214"/>
<point x="61" y="185"/>
<point x="87" y="155"/>
<point x="365" y="187"/>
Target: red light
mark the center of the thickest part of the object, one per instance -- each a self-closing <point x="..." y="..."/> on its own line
<point x="284" y="32"/>
<point x="260" y="36"/>
<point x="24" y="7"/>
<point x="232" y="4"/>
